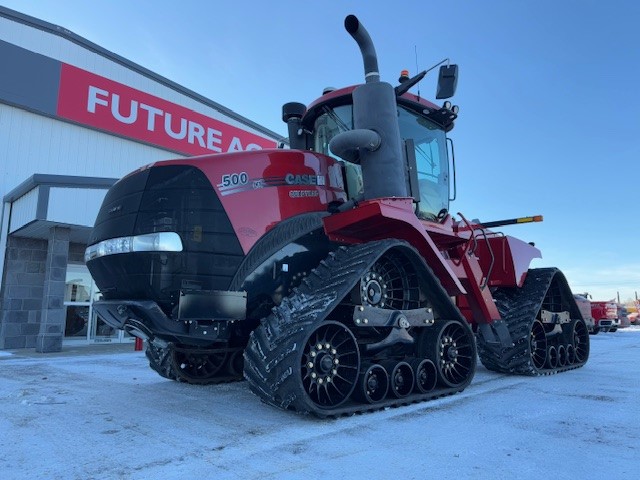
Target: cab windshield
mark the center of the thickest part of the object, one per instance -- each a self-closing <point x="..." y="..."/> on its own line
<point x="430" y="150"/>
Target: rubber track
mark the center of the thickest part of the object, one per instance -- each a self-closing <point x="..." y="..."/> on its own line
<point x="160" y="361"/>
<point x="519" y="308"/>
<point x="271" y="357"/>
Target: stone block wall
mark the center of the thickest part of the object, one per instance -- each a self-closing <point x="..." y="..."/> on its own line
<point x="21" y="302"/>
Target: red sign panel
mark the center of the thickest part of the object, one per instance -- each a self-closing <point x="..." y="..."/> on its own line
<point x="96" y="101"/>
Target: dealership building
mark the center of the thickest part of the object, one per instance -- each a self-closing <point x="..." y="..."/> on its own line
<point x="74" y="118"/>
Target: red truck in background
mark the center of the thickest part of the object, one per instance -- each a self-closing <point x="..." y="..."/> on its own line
<point x="605" y="315"/>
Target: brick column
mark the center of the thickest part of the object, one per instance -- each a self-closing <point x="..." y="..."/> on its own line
<point x="52" y="321"/>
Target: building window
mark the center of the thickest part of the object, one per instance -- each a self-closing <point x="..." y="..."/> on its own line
<point x="82" y="323"/>
<point x="77" y="301"/>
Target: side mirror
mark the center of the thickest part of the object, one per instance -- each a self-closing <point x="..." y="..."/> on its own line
<point x="447" y="81"/>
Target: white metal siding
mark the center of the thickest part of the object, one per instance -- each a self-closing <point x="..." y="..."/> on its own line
<point x="66" y="51"/>
<point x="24" y="210"/>
<point x="32" y="143"/>
<point x="74" y="206"/>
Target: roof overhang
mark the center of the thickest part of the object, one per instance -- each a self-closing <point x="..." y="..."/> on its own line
<point x="44" y="201"/>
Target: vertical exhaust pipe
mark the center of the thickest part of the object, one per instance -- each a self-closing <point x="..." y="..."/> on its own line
<point x="375" y="141"/>
<point x="368" y="51"/>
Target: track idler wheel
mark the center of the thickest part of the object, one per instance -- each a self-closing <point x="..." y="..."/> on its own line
<point x="330" y="364"/>
<point x="580" y="340"/>
<point x="400" y="378"/>
<point x="425" y="373"/>
<point x="373" y="384"/>
<point x="236" y="364"/>
<point x="453" y="353"/>
<point x="538" y="344"/>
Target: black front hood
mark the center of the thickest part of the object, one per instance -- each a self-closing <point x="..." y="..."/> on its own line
<point x="172" y="198"/>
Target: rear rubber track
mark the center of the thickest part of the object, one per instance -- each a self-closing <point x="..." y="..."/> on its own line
<point x="519" y="308"/>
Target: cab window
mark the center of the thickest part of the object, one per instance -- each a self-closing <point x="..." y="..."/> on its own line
<point x="431" y="159"/>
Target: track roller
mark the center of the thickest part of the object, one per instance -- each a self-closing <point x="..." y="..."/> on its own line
<point x="400" y="378"/>
<point x="562" y="356"/>
<point x="373" y="384"/>
<point x="552" y="357"/>
<point x="425" y="375"/>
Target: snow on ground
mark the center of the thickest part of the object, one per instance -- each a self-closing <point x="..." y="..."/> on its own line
<point x="104" y="416"/>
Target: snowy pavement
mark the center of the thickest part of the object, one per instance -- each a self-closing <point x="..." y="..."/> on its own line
<point x="107" y="416"/>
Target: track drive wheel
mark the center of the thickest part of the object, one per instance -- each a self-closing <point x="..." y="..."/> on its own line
<point x="196" y="366"/>
<point x="390" y="283"/>
<point x="330" y="364"/>
<point x="452" y="349"/>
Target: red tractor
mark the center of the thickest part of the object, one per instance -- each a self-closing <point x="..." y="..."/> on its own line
<point x="331" y="275"/>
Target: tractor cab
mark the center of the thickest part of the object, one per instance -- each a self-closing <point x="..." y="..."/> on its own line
<point x="422" y="126"/>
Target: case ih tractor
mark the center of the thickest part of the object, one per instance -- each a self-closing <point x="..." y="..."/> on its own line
<point x="331" y="275"/>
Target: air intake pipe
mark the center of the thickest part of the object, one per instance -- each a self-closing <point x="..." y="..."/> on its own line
<point x="374" y="110"/>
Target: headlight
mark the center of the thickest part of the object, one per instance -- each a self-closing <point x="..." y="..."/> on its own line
<point x="151" y="242"/>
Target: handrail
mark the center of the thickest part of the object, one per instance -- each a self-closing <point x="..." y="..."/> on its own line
<point x="475" y="245"/>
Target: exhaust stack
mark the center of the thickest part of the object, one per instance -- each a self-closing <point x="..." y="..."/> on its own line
<point x="368" y="51"/>
<point x="375" y="142"/>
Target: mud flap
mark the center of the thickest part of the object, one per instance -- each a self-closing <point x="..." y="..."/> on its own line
<point x="496" y="334"/>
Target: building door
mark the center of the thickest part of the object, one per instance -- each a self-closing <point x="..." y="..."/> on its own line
<point x="82" y="325"/>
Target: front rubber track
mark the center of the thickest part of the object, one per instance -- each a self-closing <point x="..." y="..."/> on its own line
<point x="519" y="308"/>
<point x="272" y="356"/>
<point x="162" y="361"/>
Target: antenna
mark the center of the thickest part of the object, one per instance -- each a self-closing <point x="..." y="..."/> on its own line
<point x="415" y="48"/>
